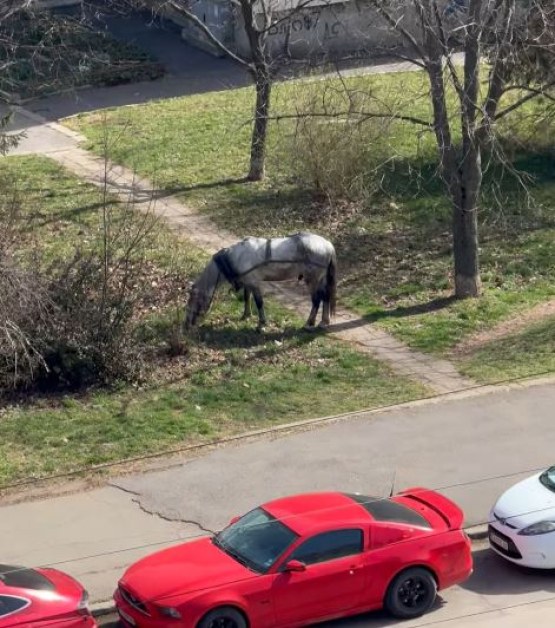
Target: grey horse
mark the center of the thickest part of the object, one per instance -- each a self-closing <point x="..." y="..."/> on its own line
<point x="248" y="263"/>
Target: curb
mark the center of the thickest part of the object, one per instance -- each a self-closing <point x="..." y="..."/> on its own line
<point x="101" y="609"/>
<point x="54" y="126"/>
<point x="478" y="533"/>
<point x="475" y="391"/>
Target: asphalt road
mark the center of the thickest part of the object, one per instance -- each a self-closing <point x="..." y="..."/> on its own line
<point x="471" y="449"/>
<point x="498" y="595"/>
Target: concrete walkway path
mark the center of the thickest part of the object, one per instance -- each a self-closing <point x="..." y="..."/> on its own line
<point x="62" y="145"/>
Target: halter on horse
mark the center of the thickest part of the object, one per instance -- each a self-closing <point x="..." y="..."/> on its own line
<point x="248" y="263"/>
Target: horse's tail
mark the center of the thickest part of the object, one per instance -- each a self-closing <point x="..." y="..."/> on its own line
<point x="331" y="283"/>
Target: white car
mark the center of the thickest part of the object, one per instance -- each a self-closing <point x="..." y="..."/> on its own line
<point x="522" y="522"/>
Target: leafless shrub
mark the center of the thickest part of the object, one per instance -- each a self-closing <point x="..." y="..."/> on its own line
<point x="72" y="322"/>
<point x="25" y="311"/>
<point x="333" y="148"/>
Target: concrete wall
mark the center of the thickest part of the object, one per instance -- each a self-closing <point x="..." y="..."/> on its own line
<point x="217" y="15"/>
<point x="335" y="30"/>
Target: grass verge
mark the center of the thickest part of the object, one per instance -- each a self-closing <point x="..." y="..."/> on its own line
<point x="525" y="354"/>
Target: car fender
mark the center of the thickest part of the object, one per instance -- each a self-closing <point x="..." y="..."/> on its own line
<point x="200" y="607"/>
<point x="418" y="563"/>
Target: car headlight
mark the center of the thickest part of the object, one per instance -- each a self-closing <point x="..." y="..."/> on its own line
<point x="542" y="527"/>
<point x="169" y="611"/>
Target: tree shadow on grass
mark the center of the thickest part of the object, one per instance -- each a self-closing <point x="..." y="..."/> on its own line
<point x="433" y="305"/>
<point x="156" y="194"/>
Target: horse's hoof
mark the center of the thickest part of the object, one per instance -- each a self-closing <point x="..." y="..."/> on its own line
<point x="245" y="317"/>
<point x="308" y="327"/>
<point x="323" y="325"/>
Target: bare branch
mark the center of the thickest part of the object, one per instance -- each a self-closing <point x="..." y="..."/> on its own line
<point x="396" y="25"/>
<point x="361" y="115"/>
<point x="532" y="93"/>
<point x="177" y="6"/>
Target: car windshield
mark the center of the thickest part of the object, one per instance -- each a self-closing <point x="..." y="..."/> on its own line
<point x="547" y="478"/>
<point x="256" y="540"/>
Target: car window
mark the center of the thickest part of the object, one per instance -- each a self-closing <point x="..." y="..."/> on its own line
<point x="387" y="510"/>
<point x="329" y="545"/>
<point x="10" y="604"/>
<point x="21" y="577"/>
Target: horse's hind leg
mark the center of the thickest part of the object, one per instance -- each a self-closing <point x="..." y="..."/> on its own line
<point x="325" y="322"/>
<point x="259" y="301"/>
<point x="247" y="311"/>
<point x="316" y="299"/>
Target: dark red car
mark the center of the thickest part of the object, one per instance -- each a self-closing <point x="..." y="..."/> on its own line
<point x="42" y="598"/>
<point x="304" y="559"/>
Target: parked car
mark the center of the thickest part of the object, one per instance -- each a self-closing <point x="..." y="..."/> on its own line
<point x="42" y="598"/>
<point x="522" y="522"/>
<point x="304" y="559"/>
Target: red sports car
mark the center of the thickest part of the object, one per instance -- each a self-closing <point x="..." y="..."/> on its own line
<point x="301" y="560"/>
<point x="42" y="598"/>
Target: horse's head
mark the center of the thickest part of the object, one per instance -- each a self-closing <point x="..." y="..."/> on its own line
<point x="197" y="306"/>
<point x="200" y="297"/>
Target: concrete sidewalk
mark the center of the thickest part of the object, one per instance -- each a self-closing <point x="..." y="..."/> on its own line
<point x="471" y="449"/>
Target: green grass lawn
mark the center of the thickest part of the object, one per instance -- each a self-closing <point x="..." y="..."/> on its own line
<point x="227" y="380"/>
<point x="525" y="354"/>
<point x="394" y="244"/>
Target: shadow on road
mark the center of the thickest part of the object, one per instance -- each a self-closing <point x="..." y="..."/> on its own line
<point x="495" y="576"/>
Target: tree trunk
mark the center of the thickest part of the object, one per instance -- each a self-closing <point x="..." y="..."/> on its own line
<point x="465" y="248"/>
<point x="465" y="225"/>
<point x="260" y="129"/>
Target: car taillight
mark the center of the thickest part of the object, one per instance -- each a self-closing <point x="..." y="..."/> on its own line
<point x="83" y="606"/>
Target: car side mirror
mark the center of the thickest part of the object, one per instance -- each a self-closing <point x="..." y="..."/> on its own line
<point x="234" y="520"/>
<point x="294" y="565"/>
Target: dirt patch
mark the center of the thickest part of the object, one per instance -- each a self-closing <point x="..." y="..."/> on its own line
<point x="506" y="328"/>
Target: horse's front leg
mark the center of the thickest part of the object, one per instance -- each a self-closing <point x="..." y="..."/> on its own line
<point x="247" y="310"/>
<point x="259" y="301"/>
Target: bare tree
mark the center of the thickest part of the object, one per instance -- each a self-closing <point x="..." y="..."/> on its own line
<point x="258" y="18"/>
<point x="511" y="36"/>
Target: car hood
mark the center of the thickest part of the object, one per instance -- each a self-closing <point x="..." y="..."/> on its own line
<point x="189" y="567"/>
<point x="525" y="503"/>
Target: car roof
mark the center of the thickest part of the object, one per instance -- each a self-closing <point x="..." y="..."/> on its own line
<point x="311" y="512"/>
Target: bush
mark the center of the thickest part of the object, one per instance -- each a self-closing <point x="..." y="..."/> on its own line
<point x="72" y="323"/>
<point x="333" y="149"/>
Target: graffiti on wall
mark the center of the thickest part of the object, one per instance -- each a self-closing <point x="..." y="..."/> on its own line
<point x="306" y="22"/>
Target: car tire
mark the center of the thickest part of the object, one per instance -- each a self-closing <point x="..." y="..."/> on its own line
<point x="223" y="617"/>
<point x="411" y="593"/>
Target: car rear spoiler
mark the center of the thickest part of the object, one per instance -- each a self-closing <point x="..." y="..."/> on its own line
<point x="447" y="509"/>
